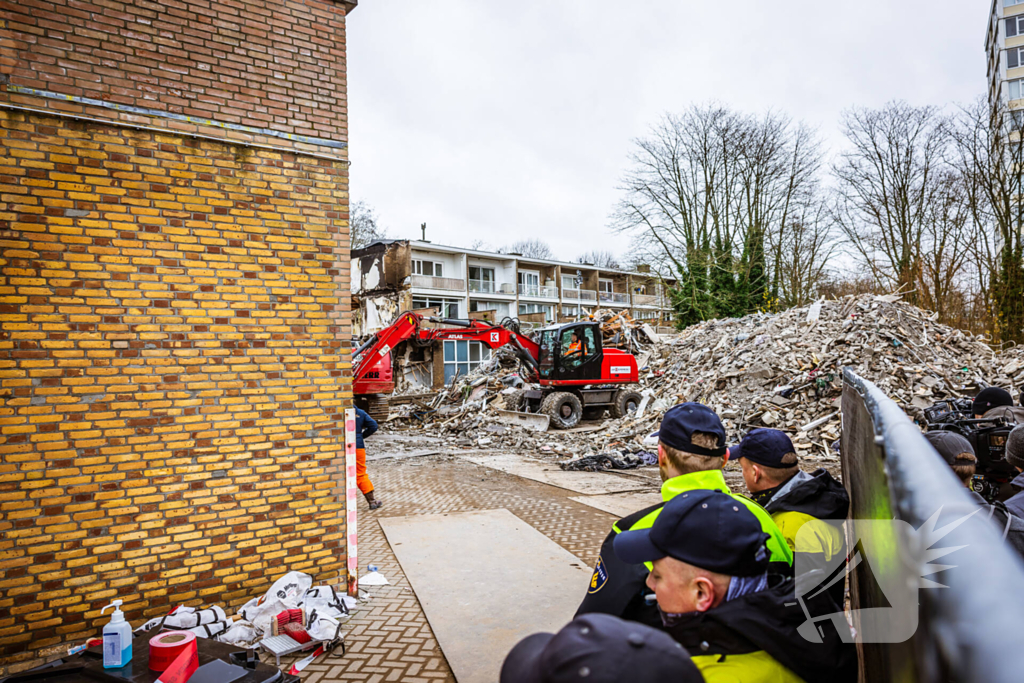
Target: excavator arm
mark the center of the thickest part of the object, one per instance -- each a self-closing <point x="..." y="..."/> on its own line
<point x="373" y="371"/>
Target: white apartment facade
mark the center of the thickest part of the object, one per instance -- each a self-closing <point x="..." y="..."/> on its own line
<point x="460" y="282"/>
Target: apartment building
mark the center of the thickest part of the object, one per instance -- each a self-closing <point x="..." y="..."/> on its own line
<point x="1004" y="48"/>
<point x="399" y="275"/>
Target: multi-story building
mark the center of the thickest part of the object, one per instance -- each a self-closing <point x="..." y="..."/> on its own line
<point x="461" y="283"/>
<point x="393" y="276"/>
<point x="1004" y="47"/>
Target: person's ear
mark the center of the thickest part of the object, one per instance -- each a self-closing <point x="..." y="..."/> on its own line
<point x="661" y="455"/>
<point x="726" y="455"/>
<point x="705" y="593"/>
<point x="755" y="471"/>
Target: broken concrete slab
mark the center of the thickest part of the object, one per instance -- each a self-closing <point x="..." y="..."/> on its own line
<point x="479" y="595"/>
<point x="591" y="483"/>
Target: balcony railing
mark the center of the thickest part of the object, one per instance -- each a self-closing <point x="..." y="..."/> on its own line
<point x="507" y="288"/>
<point x="579" y="295"/>
<point x="482" y="286"/>
<point x="538" y="292"/>
<point x="615" y="298"/>
<point x="446" y="283"/>
<point x="645" y="300"/>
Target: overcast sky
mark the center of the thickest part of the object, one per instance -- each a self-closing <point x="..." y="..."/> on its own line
<point x="505" y="120"/>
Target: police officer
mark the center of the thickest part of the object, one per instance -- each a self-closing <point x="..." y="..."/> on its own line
<point x="691" y="454"/>
<point x="800" y="503"/>
<point x="717" y="598"/>
<point x="599" y="648"/>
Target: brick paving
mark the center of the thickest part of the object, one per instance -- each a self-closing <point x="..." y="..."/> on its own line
<point x="389" y="638"/>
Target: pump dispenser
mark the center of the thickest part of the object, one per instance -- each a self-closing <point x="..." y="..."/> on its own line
<point x="117" y="638"/>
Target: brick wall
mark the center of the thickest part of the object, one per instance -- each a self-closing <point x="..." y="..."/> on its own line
<point x="173" y="326"/>
<point x="276" y="64"/>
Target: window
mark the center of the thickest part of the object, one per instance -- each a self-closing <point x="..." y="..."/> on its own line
<point x="529" y="283"/>
<point x="1014" y="57"/>
<point x="1015" y="26"/>
<point x="548" y="311"/>
<point x="604" y="286"/>
<point x="463" y="357"/>
<point x="1011" y="3"/>
<point x="432" y="268"/>
<point x="481" y="279"/>
<point x="571" y="311"/>
<point x="446" y="308"/>
<point x="1015" y="88"/>
<point x="571" y="282"/>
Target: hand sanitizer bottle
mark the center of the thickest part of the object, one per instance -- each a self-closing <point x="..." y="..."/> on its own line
<point x="117" y="638"/>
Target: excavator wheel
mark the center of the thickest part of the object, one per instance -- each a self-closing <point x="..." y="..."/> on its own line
<point x="593" y="413"/>
<point x="514" y="401"/>
<point x="625" y="402"/>
<point x="564" y="409"/>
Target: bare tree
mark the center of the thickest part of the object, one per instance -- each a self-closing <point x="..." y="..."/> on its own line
<point x="990" y="158"/>
<point x="530" y="248"/>
<point x="710" y="195"/>
<point x="805" y="247"/>
<point x="887" y="179"/>
<point x="600" y="259"/>
<point x="364" y="228"/>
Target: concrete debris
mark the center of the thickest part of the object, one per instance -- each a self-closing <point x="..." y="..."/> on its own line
<point x="614" y="460"/>
<point x="780" y="370"/>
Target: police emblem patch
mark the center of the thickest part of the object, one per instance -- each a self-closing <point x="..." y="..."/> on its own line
<point x="600" y="577"/>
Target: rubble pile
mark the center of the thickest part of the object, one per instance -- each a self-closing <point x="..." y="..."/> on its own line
<point x="763" y="370"/>
<point x="619" y="330"/>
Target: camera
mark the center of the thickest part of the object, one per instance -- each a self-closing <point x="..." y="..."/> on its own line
<point x="987" y="435"/>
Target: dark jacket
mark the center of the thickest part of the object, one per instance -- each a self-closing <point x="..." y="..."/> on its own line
<point x="620" y="589"/>
<point x="802" y="503"/>
<point x="366" y="426"/>
<point x="1009" y="525"/>
<point x="1016" y="504"/>
<point x="731" y="641"/>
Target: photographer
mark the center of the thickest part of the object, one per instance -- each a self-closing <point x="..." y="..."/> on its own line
<point x="959" y="455"/>
<point x="989" y="398"/>
<point x="1015" y="456"/>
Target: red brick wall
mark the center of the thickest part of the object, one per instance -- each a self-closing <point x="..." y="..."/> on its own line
<point x="277" y="64"/>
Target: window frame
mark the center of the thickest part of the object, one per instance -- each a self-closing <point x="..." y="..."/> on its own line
<point x="437" y="267"/>
<point x="606" y="281"/>
<point x="457" y="354"/>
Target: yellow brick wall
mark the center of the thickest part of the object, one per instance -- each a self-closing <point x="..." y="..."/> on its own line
<point x="173" y="366"/>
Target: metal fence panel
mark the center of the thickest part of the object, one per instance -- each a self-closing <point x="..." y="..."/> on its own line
<point x="969" y="629"/>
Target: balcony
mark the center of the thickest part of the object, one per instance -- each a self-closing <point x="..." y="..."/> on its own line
<point x="538" y="292"/>
<point x="445" y="283"/>
<point x="618" y="298"/>
<point x="645" y="300"/>
<point x="579" y="295"/>
<point x="491" y="287"/>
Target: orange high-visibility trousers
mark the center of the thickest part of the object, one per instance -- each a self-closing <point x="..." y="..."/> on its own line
<point x="362" y="478"/>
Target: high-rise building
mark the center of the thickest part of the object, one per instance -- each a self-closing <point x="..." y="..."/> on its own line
<point x="1004" y="45"/>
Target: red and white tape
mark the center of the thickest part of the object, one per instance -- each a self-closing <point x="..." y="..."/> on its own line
<point x="351" y="502"/>
<point x="298" y="666"/>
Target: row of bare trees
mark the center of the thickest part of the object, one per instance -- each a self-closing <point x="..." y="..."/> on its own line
<point x="746" y="214"/>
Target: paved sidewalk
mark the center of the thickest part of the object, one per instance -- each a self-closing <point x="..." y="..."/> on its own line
<point x="389" y="639"/>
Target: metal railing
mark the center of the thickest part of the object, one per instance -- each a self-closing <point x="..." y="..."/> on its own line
<point x="579" y="295"/>
<point x="446" y="283"/>
<point x="538" y="292"/>
<point x="645" y="300"/>
<point x="966" y="630"/>
<point x="615" y="297"/>
<point x="507" y="288"/>
<point x="482" y="286"/>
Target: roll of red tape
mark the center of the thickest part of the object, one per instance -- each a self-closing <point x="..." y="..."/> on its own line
<point x="165" y="647"/>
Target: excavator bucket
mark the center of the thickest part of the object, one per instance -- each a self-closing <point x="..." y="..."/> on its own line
<point x="537" y="422"/>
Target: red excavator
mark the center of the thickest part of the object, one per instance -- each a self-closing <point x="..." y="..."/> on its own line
<point x="574" y="376"/>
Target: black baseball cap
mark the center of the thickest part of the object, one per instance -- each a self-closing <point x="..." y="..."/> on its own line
<point x="949" y="444"/>
<point x="708" y="529"/>
<point x="680" y="422"/>
<point x="765" y="447"/>
<point x="600" y="648"/>
<point x="989" y="398"/>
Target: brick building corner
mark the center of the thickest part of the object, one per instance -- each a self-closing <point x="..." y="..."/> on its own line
<point x="174" y="318"/>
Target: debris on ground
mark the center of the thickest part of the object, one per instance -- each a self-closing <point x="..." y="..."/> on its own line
<point x="614" y="460"/>
<point x="781" y="370"/>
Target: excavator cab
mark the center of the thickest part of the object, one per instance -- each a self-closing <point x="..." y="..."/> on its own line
<point x="571" y="353"/>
